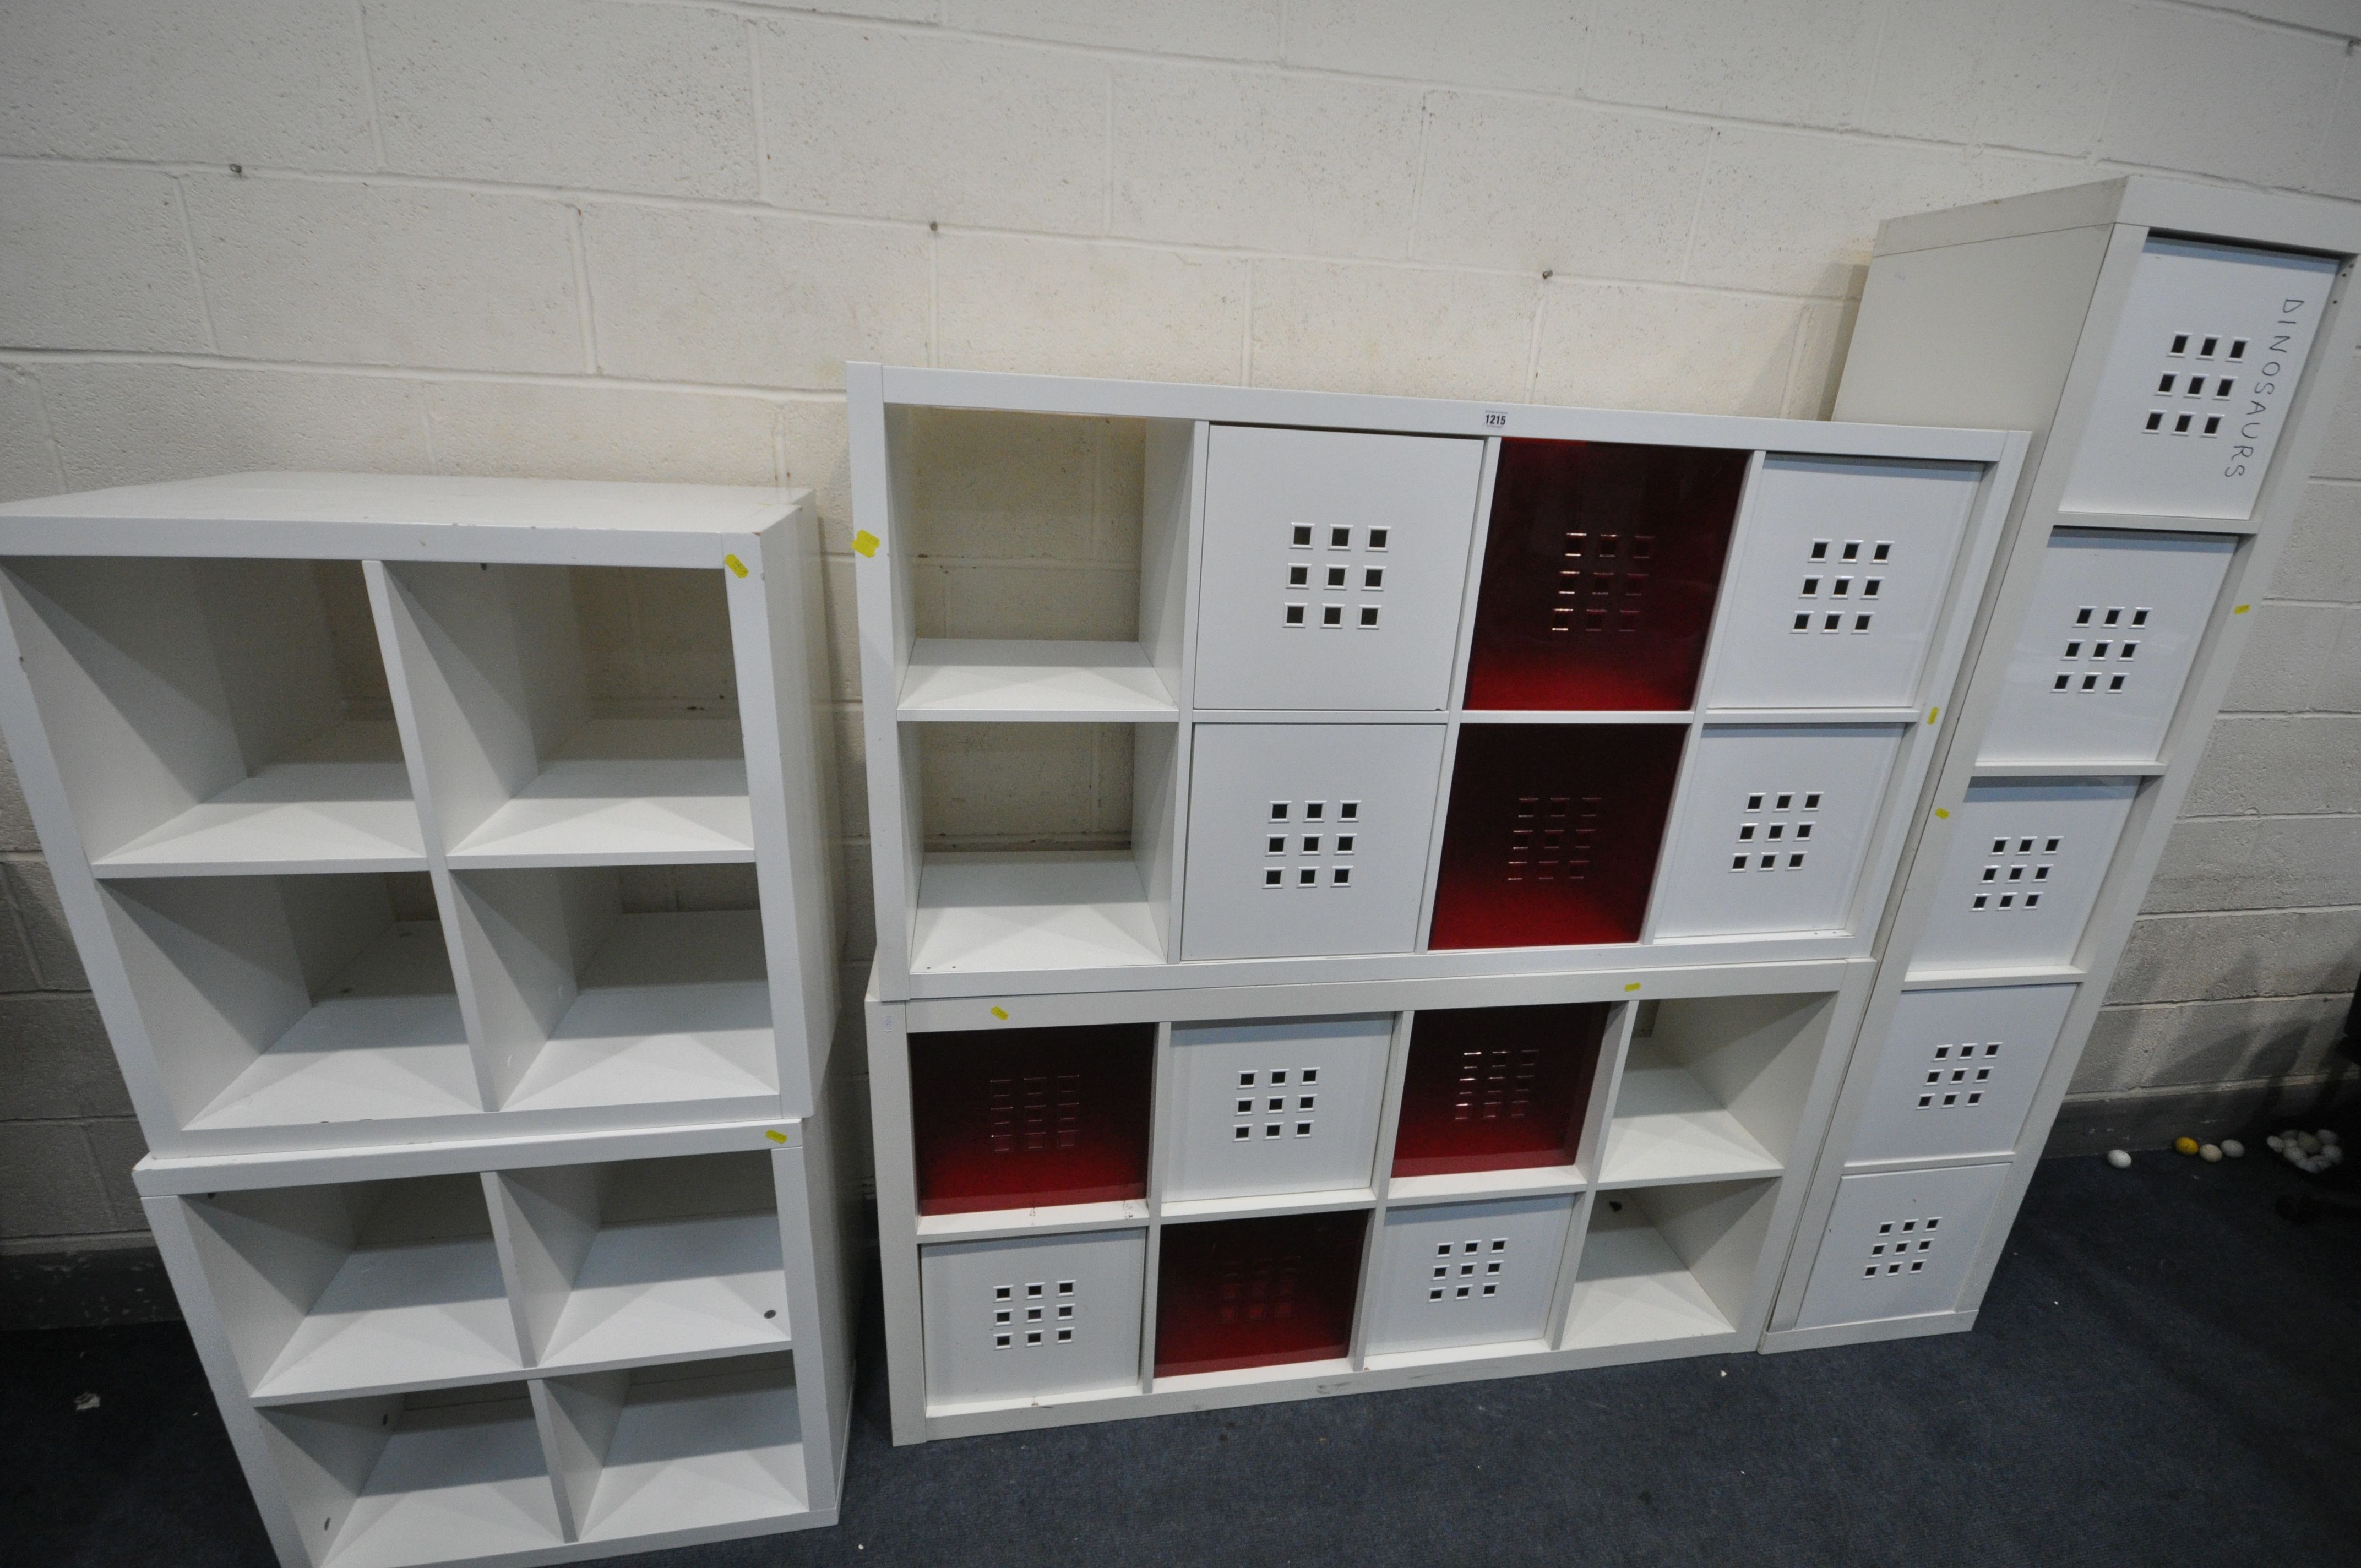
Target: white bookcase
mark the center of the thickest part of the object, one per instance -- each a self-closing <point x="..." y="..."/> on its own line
<point x="388" y="809"/>
<point x="453" y="863"/>
<point x="526" y="1350"/>
<point x="2176" y="351"/>
<point x="1431" y="688"/>
<point x="1122" y="1203"/>
<point x="1514" y="797"/>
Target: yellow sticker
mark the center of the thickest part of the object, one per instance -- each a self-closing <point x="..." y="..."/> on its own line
<point x="1933" y="711"/>
<point x="775" y="1136"/>
<point x="1943" y="814"/>
<point x="1633" y="986"/>
<point x="1001" y="1013"/>
<point x="2242" y="609"/>
<point x="865" y="543"/>
<point x="734" y="564"/>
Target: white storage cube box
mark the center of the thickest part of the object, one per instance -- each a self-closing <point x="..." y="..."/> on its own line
<point x="1027" y="1319"/>
<point x="1332" y="566"/>
<point x="1308" y="837"/>
<point x="1772" y="829"/>
<point x="1958" y="1070"/>
<point x="1451" y="1275"/>
<point x="2108" y="640"/>
<point x="1274" y="1105"/>
<point x="375" y="817"/>
<point x="2024" y="869"/>
<point x="1900" y="1244"/>
<point x="2199" y="377"/>
<point x="441" y="1353"/>
<point x="1839" y="581"/>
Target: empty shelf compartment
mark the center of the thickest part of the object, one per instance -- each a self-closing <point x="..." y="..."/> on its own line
<point x="622" y="986"/>
<point x="357" y="1288"/>
<point x="1668" y="1263"/>
<point x="570" y="715"/>
<point x="277" y="1001"/>
<point x="665" y="1449"/>
<point x="641" y="1260"/>
<point x="1713" y="1088"/>
<point x="416" y="1478"/>
<point x="216" y="716"/>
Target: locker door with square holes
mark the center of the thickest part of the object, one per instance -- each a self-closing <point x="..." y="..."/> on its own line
<point x="1899" y="1244"/>
<point x="1773" y="826"/>
<point x="2205" y="363"/>
<point x="1332" y="566"/>
<point x="2023" y="873"/>
<point x="1308" y="839"/>
<point x="1456" y="1274"/>
<point x="1275" y="1105"/>
<point x="1840" y="576"/>
<point x="1025" y="1318"/>
<point x="2107" y="645"/>
<point x="1957" y="1072"/>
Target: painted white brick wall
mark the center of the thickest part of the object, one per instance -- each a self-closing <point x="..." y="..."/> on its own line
<point x="636" y="238"/>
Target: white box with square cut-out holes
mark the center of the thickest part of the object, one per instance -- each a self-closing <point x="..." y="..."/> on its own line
<point x="2107" y="645"/>
<point x="1024" y="1318"/>
<point x="2023" y="871"/>
<point x="1843" y="567"/>
<point x="1466" y="1274"/>
<point x="1899" y="1244"/>
<point x="1334" y="562"/>
<point x="1308" y="839"/>
<point x="1772" y="827"/>
<point x="1274" y="1105"/>
<point x="2198" y="381"/>
<point x="1957" y="1072"/>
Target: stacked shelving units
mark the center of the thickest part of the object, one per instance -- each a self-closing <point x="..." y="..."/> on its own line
<point x="1531" y="779"/>
<point x="2178" y="351"/>
<point x="450" y="861"/>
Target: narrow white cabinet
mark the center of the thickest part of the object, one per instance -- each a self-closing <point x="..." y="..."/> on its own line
<point x="393" y="808"/>
<point x="2179" y="349"/>
<point x="521" y="1350"/>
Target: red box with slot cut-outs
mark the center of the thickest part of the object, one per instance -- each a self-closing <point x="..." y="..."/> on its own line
<point x="1551" y="836"/>
<point x="1497" y="1088"/>
<point x="1600" y="566"/>
<point x="1234" y="1293"/>
<point x="1022" y="1118"/>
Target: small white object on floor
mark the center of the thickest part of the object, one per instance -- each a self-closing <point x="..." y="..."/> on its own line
<point x="85" y="1401"/>
<point x="2274" y="1143"/>
<point x="2334" y="1154"/>
<point x="2209" y="1153"/>
<point x="2120" y="1158"/>
<point x="2308" y="1142"/>
<point x="2234" y="1148"/>
<point x="2327" y="1135"/>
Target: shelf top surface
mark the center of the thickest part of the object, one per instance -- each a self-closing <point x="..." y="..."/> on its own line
<point x="212" y="515"/>
<point x="1360" y="411"/>
<point x="2156" y="202"/>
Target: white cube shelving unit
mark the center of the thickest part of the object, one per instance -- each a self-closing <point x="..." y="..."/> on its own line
<point x="1430" y="688"/>
<point x="522" y="1351"/>
<point x="453" y="861"/>
<point x="2178" y="351"/>
<point x="1132" y="1203"/>
<point x="368" y="833"/>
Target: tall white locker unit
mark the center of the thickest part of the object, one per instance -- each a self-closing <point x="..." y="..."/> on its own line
<point x="2178" y="351"/>
<point x="451" y="861"/>
<point x="1514" y="794"/>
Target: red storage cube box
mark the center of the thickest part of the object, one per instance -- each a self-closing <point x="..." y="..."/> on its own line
<point x="1497" y="1088"/>
<point x="1551" y="836"/>
<point x="1027" y="1118"/>
<point x="1234" y="1293"/>
<point x="1600" y="566"/>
